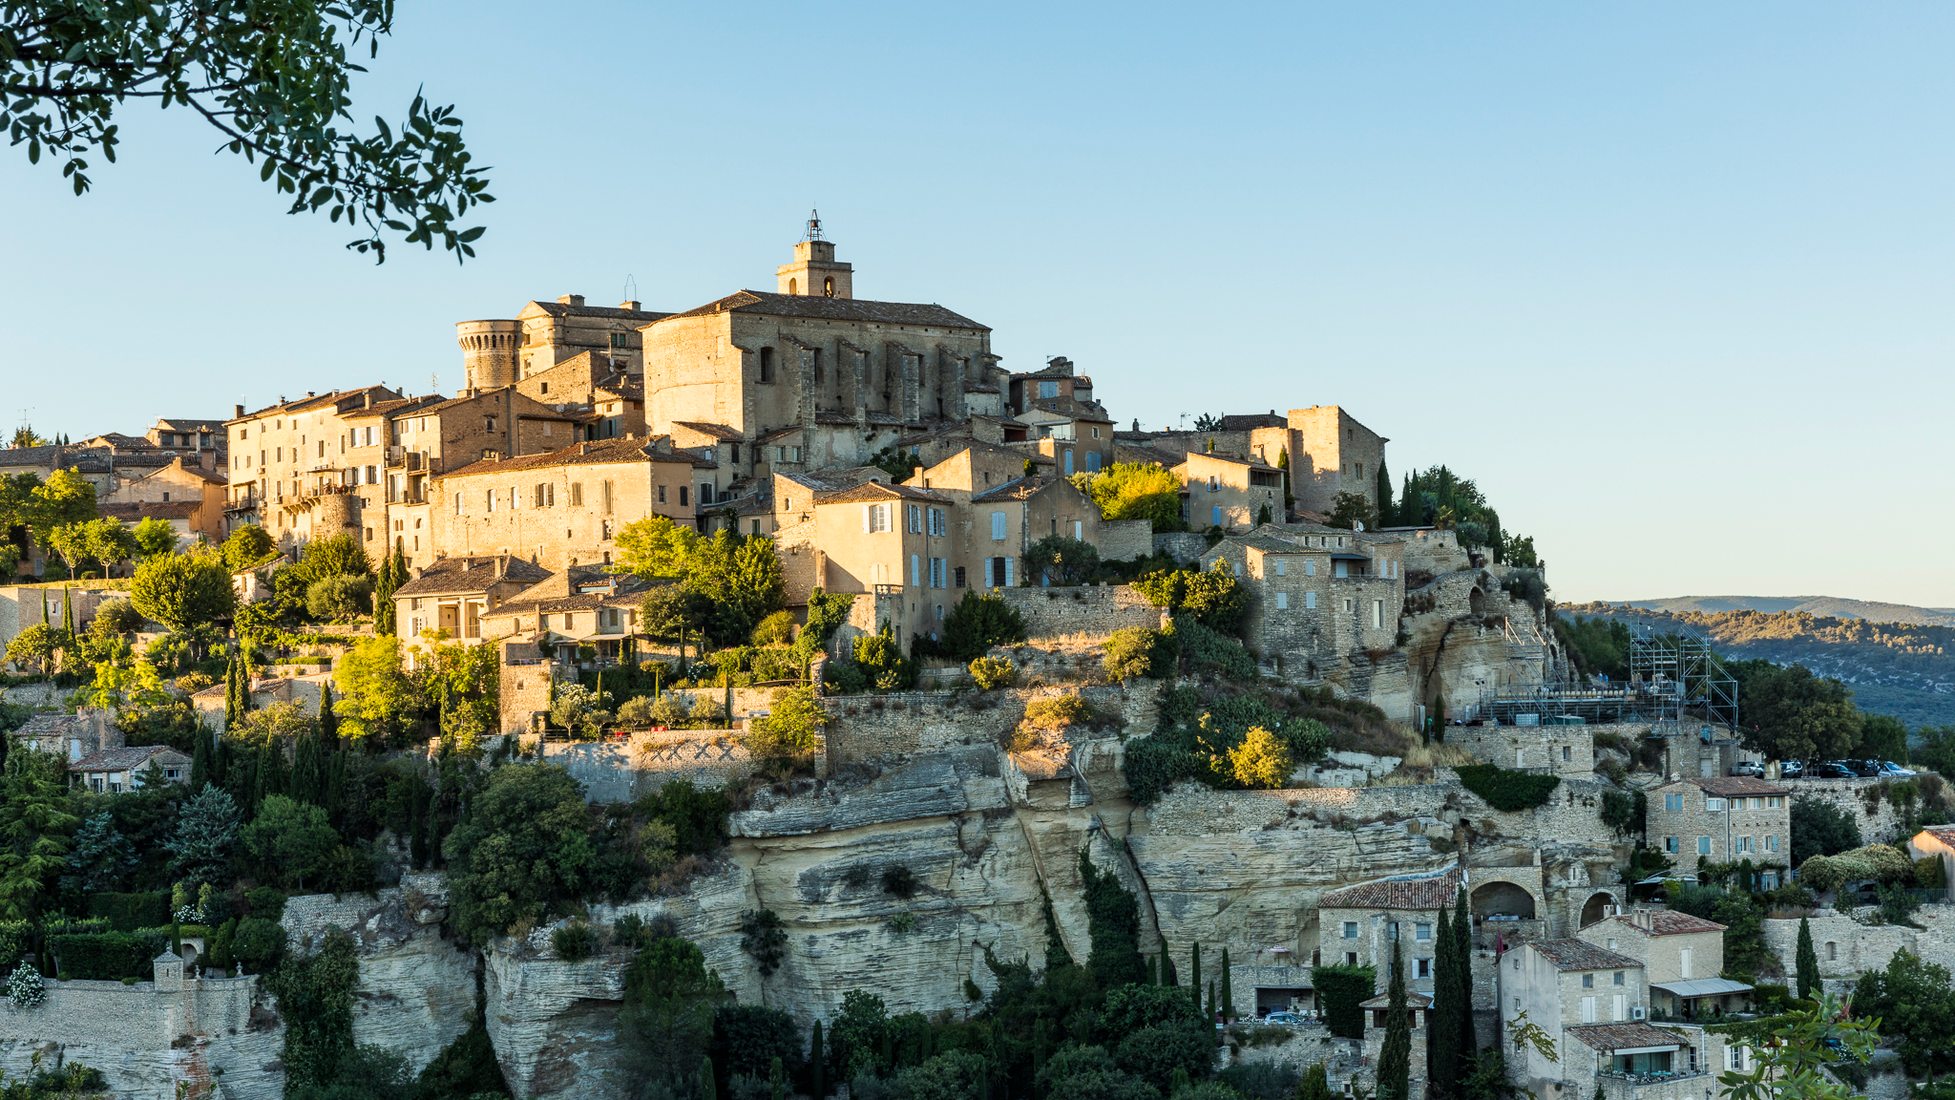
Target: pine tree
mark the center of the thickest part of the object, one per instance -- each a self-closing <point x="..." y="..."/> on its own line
<point x="1807" y="962"/>
<point x="817" y="1066"/>
<point x="1195" y="972"/>
<point x="1469" y="1037"/>
<point x="1443" y="1070"/>
<point x="1227" y="1003"/>
<point x="1395" y="1055"/>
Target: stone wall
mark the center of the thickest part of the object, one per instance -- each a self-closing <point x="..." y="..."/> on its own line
<point x="645" y="760"/>
<point x="1186" y="547"/>
<point x="1884" y="825"/>
<point x="899" y="724"/>
<point x="1087" y="609"/>
<point x="525" y="690"/>
<point x="1846" y="948"/>
<point x="21" y="604"/>
<point x="1125" y="539"/>
<point x="146" y="1041"/>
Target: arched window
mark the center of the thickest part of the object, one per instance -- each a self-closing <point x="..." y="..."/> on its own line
<point x="794" y="286"/>
<point x="828" y="288"/>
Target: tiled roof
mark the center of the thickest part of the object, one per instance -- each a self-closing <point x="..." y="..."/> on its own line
<point x="1667" y="922"/>
<point x="717" y="431"/>
<point x="1582" y="955"/>
<point x="43" y="725"/>
<point x="470" y="574"/>
<point x="1943" y="833"/>
<point x="582" y="454"/>
<point x="389" y="408"/>
<point x="565" y="309"/>
<point x="875" y="490"/>
<point x="180" y="424"/>
<point x="1239" y="422"/>
<point x="1425" y="892"/>
<point x="1632" y="1036"/>
<point x="836" y="309"/>
<point x="159" y="509"/>
<point x="1384" y="1000"/>
<point x="1731" y="786"/>
<point x="128" y="758"/>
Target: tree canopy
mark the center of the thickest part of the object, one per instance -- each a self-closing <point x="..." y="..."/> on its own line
<point x="183" y="591"/>
<point x="272" y="78"/>
<point x="1135" y="490"/>
<point x="722" y="585"/>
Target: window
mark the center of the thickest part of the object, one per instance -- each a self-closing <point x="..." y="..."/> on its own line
<point x="1310" y="601"/>
<point x="1588" y="981"/>
<point x="875" y="517"/>
<point x="1670" y="844"/>
<point x="1673" y="803"/>
<point x="828" y="287"/>
<point x="1350" y="930"/>
<point x="1048" y="389"/>
<point x="1683" y="963"/>
<point x="1703" y="845"/>
<point x="1776" y="801"/>
<point x="1215" y="516"/>
<point x="1309" y="567"/>
<point x="705" y="492"/>
<point x="938" y="525"/>
<point x="576" y="494"/>
<point x="1422" y="931"/>
<point x="997" y="527"/>
<point x="683" y="493"/>
<point x="619" y="340"/>
<point x="1281" y="567"/>
<point x="1832" y="951"/>
<point x="767" y="365"/>
<point x="1422" y="968"/>
<point x="661" y="494"/>
<point x="1282" y="601"/>
<point x="1377" y="614"/>
<point x="489" y="500"/>
<point x="913" y="519"/>
<point x="1772" y="843"/>
<point x="606" y="486"/>
<point x="939" y="573"/>
<point x="1714" y="805"/>
<point x="1567" y="754"/>
<point x="1588" y="1007"/>
<point x="916" y="570"/>
<point x="1616" y="978"/>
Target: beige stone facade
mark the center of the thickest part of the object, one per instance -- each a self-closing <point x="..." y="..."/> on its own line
<point x="1721" y="820"/>
<point x="1317" y="595"/>
<point x="1229" y="492"/>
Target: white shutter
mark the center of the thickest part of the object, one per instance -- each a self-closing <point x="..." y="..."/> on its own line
<point x="865" y="518"/>
<point x="1008" y="583"/>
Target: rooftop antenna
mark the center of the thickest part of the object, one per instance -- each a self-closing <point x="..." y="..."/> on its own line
<point x="814" y="225"/>
<point x="631" y="288"/>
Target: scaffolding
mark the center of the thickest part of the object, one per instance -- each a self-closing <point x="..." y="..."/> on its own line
<point x="1678" y="676"/>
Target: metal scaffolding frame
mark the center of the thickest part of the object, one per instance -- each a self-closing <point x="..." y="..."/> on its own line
<point x="1679" y="675"/>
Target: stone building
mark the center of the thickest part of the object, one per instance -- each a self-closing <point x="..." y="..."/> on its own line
<point x="452" y="595"/>
<point x="1330" y="453"/>
<point x="194" y="436"/>
<point x="1937" y="841"/>
<point x="1682" y="958"/>
<point x="499" y="353"/>
<point x="188" y="493"/>
<point x="1357" y="926"/>
<point x="1229" y="491"/>
<point x="1318" y="596"/>
<point x="1722" y="819"/>
<point x="113" y="771"/>
<point x="565" y="507"/>
<point x="566" y="612"/>
<point x="289" y="463"/>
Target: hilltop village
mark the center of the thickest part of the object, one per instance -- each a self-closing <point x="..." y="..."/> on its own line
<point x="783" y="696"/>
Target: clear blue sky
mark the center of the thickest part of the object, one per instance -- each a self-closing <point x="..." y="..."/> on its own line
<point x="1674" y="282"/>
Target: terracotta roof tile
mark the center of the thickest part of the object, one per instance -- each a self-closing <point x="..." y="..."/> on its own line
<point x="1625" y="1036"/>
<point x="1424" y="892"/>
<point x="836" y="309"/>
<point x="1582" y="955"/>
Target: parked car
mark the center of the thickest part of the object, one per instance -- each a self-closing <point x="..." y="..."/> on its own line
<point x="1792" y="769"/>
<point x="1890" y="770"/>
<point x="1748" y="767"/>
<point x="1865" y="769"/>
<point x="1283" y="1019"/>
<point x="1828" y="770"/>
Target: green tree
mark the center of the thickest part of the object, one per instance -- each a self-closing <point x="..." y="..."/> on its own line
<point x="37" y="822"/>
<point x="521" y="852"/>
<point x="1228" y="989"/>
<point x="667" y="1014"/>
<point x="376" y="696"/>
<point x="978" y="622"/>
<point x="65" y="498"/>
<point x="102" y="858"/>
<point x="1462" y="992"/>
<point x="1806" y="965"/>
<point x="291" y="842"/>
<point x="1914" y="1001"/>
<point x="1789" y="1059"/>
<point x="1443" y="1067"/>
<point x="1315" y="1084"/>
<point x="36" y="647"/>
<point x="393" y="574"/>
<point x="1113" y="922"/>
<point x="1820" y="828"/>
<point x="247" y="545"/>
<point x="1387" y="515"/>
<point x="1791" y="714"/>
<point x="67" y="70"/>
<point x="184" y="592"/>
<point x="154" y="537"/>
<point x="1395" y="1056"/>
<point x="1135" y="490"/>
<point x="1260" y="761"/>
<point x="789" y="735"/>
<point x="206" y="833"/>
<point x="1062" y="560"/>
<point x="1349" y="510"/>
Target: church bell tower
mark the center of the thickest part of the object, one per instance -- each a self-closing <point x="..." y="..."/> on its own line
<point x="814" y="271"/>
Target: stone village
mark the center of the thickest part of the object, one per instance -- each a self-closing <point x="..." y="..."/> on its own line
<point x="890" y="456"/>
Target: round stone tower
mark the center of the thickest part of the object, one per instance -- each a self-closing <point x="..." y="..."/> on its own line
<point x="489" y="353"/>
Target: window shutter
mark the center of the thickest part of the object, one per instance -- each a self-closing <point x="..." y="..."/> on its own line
<point x="865" y="518"/>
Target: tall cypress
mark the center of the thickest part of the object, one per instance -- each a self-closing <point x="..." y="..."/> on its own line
<point x="231" y="712"/>
<point x="1807" y="962"/>
<point x="1469" y="1036"/>
<point x="1195" y="972"/>
<point x="817" y="1066"/>
<point x="1387" y="515"/>
<point x="1395" y="1054"/>
<point x="1228" y="990"/>
<point x="1442" y="1029"/>
<point x="68" y="609"/>
<point x="200" y="759"/>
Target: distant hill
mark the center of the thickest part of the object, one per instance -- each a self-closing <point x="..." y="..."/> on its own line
<point x="1902" y="668"/>
<point x="1825" y="607"/>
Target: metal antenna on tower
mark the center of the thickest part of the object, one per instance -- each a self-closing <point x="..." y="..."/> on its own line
<point x="631" y="288"/>
<point x="814" y="225"/>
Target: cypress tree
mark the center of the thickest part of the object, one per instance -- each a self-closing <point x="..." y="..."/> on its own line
<point x="1209" y="1010"/>
<point x="328" y="718"/>
<point x="1807" y="962"/>
<point x="1195" y="972"/>
<point x="1315" y="1084"/>
<point x="1153" y="970"/>
<point x="1387" y="515"/>
<point x="1289" y="495"/>
<point x="817" y="1066"/>
<point x="1395" y="1055"/>
<point x="776" y="1080"/>
<point x="1469" y="1037"/>
<point x="707" y="1087"/>
<point x="200" y="760"/>
<point x="1442" y="1030"/>
<point x="1227" y="1003"/>
<point x="68" y="609"/>
<point x="231" y="690"/>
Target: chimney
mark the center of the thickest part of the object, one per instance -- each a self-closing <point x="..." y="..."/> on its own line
<point x="238" y="413"/>
<point x="1641" y="918"/>
<point x="570" y="299"/>
<point x="366" y="399"/>
<point x="630" y="304"/>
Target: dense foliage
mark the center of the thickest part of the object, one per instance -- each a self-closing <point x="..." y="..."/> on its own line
<point x="1506" y="789"/>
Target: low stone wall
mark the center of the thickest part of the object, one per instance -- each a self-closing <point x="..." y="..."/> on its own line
<point x="23" y="605"/>
<point x="621" y="770"/>
<point x="1087" y="609"/>
<point x="1186" y="547"/>
<point x="899" y="724"/>
<point x="145" y="1040"/>
<point x="1846" y="948"/>
<point x="739" y="702"/>
<point x="1126" y="539"/>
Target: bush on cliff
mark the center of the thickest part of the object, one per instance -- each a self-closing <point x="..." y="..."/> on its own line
<point x="979" y="622"/>
<point x="1507" y="790"/>
<point x="521" y="854"/>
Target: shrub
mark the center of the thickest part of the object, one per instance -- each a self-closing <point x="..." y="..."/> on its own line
<point x="979" y="622"/>
<point x="1062" y="560"/>
<point x="992" y="673"/>
<point x="636" y="712"/>
<point x="791" y="732"/>
<point x="899" y="881"/>
<point x="25" y="988"/>
<point x="14" y="936"/>
<point x="762" y="937"/>
<point x="1212" y="653"/>
<point x="128" y="912"/>
<point x="775" y="629"/>
<point x="707" y="711"/>
<point x="1132" y="652"/>
<point x="1153" y="764"/>
<point x="669" y="710"/>
<point x="1261" y="761"/>
<point x="105" y="956"/>
<point x="1820" y="828"/>
<point x="1507" y="790"/>
<point x="574" y="942"/>
<point x="258" y="943"/>
<point x="1341" y="989"/>
<point x="339" y="598"/>
<point x="882" y="662"/>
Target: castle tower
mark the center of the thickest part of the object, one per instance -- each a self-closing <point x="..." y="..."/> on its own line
<point x="814" y="270"/>
<point x="489" y="353"/>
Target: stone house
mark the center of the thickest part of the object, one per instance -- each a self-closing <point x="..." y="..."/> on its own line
<point x="288" y="463"/>
<point x="113" y="771"/>
<point x="1356" y="926"/>
<point x="581" y="606"/>
<point x="195" y="436"/>
<point x="502" y="352"/>
<point x="1682" y="957"/>
<point x="452" y="595"/>
<point x="1317" y="595"/>
<point x="70" y="736"/>
<point x="888" y="540"/>
<point x="188" y="493"/>
<point x="1593" y="1004"/>
<point x="1228" y="491"/>
<point x="1330" y="453"/>
<point x="1722" y="819"/>
<point x="1377" y="1020"/>
<point x="565" y="507"/>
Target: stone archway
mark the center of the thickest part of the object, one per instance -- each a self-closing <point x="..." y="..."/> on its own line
<point x="1599" y="905"/>
<point x="1476" y="601"/>
<point x="1502" y="899"/>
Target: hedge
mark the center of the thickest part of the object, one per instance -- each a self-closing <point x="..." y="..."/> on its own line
<point x="1507" y="790"/>
<point x="128" y="912"/>
<point x="106" y="956"/>
<point x="1340" y="990"/>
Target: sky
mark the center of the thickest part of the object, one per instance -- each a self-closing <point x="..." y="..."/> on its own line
<point x="1674" y="283"/>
